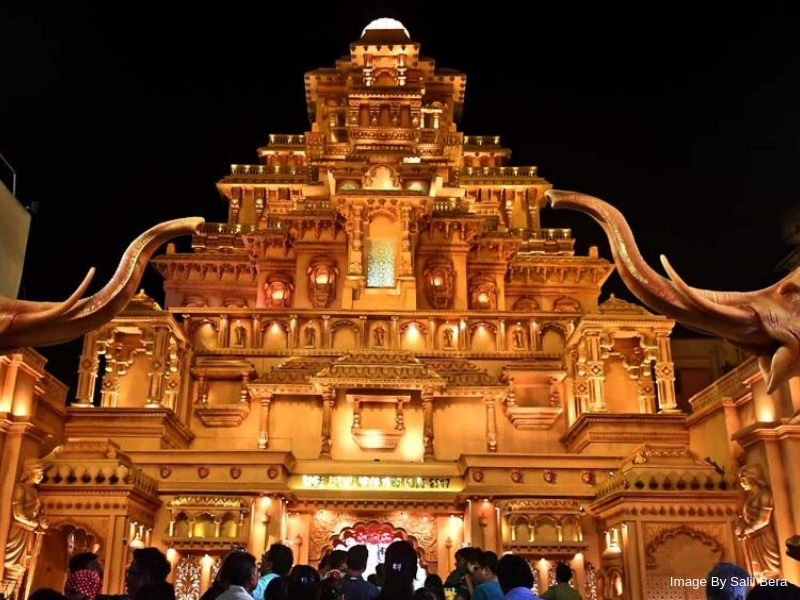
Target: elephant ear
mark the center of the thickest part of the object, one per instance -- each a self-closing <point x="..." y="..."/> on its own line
<point x="48" y="323"/>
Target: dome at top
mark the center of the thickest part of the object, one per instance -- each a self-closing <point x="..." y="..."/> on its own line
<point x="383" y="24"/>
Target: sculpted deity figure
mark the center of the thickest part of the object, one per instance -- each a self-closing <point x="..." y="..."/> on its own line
<point x="379" y="335"/>
<point x="28" y="520"/>
<point x="754" y="526"/>
<point x="448" y="337"/>
<point x="241" y="334"/>
<point x="519" y="338"/>
<point x="311" y="336"/>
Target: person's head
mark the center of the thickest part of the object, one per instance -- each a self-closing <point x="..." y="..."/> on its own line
<point x="337" y="560"/>
<point x="484" y="569"/>
<point x="563" y="573"/>
<point x="470" y="557"/>
<point x="433" y="582"/>
<point x="85" y="560"/>
<point x="47" y="594"/>
<point x="461" y="560"/>
<point x="720" y="582"/>
<point x="424" y="593"/>
<point x="240" y="569"/>
<point x="751" y="476"/>
<point x="303" y="583"/>
<point x="279" y="558"/>
<point x="83" y="584"/>
<point x="357" y="557"/>
<point x="156" y="590"/>
<point x="149" y="564"/>
<point x="513" y="571"/>
<point x="400" y="567"/>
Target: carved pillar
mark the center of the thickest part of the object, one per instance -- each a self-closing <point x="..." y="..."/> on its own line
<point x="263" y="426"/>
<point x="202" y="390"/>
<point x="536" y="341"/>
<point x="533" y="208"/>
<point x="109" y="391"/>
<point x="665" y="375"/>
<point x="356" y="261"/>
<point x="87" y="372"/>
<point x="294" y="332"/>
<point x="405" y="269"/>
<point x="258" y="332"/>
<point x="594" y="372"/>
<point x="223" y="332"/>
<point x="326" y="331"/>
<point x="432" y="333"/>
<point x="158" y="365"/>
<point x="463" y="342"/>
<point x="647" y="393"/>
<point x="501" y="338"/>
<point x="187" y="325"/>
<point x="328" y="396"/>
<point x="427" y="435"/>
<point x="395" y="339"/>
<point x="362" y="329"/>
<point x="491" y="424"/>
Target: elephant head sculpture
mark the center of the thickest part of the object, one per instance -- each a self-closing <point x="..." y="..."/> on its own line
<point x="765" y="322"/>
<point x="25" y="323"/>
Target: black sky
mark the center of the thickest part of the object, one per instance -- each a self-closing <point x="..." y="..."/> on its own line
<point x="118" y="118"/>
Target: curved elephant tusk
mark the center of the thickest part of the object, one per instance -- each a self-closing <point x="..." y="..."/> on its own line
<point x="698" y="299"/>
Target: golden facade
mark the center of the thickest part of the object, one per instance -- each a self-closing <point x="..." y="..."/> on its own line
<point x="383" y="340"/>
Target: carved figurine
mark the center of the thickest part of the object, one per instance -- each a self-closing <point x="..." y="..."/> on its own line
<point x="754" y="526"/>
<point x="26" y="323"/>
<point x="379" y="334"/>
<point x="765" y="323"/>
<point x="28" y="522"/>
<point x="311" y="336"/>
<point x="448" y="337"/>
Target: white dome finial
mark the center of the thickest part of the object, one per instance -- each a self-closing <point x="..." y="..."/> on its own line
<point x="385" y="23"/>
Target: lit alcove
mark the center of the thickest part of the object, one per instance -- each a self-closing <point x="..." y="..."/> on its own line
<point x="382" y="252"/>
<point x="204" y="526"/>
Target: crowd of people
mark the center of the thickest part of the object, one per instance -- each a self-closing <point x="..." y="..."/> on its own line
<point x="479" y="575"/>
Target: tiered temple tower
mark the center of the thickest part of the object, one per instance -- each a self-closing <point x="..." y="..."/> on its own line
<point x="383" y="340"/>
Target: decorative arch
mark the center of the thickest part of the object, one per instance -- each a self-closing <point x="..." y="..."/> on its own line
<point x="376" y="535"/>
<point x="527" y="304"/>
<point x="668" y="534"/>
<point x="349" y="186"/>
<point x="566" y="304"/>
<point x="194" y="301"/>
<point x="381" y="177"/>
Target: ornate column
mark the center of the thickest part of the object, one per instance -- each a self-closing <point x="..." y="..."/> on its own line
<point x="533" y="208"/>
<point x="427" y="427"/>
<point x="463" y="342"/>
<point x="223" y="332"/>
<point x="432" y="333"/>
<point x="362" y="328"/>
<point x="395" y="340"/>
<point x="665" y="375"/>
<point x="263" y="426"/>
<point x="294" y="332"/>
<point x="536" y="341"/>
<point x="491" y="424"/>
<point x="202" y="390"/>
<point x="158" y="365"/>
<point x="647" y="393"/>
<point x="328" y="396"/>
<point x="501" y="338"/>
<point x="187" y="325"/>
<point x="405" y="269"/>
<point x="594" y="372"/>
<point x="258" y="332"/>
<point x="87" y="372"/>
<point x="326" y="331"/>
<point x="356" y="261"/>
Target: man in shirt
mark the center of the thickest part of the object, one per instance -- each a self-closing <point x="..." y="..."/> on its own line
<point x="562" y="590"/>
<point x="483" y="576"/>
<point x="241" y="573"/>
<point x="354" y="586"/>
<point x="275" y="563"/>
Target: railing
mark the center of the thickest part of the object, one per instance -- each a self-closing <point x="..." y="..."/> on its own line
<point x="499" y="171"/>
<point x="269" y="170"/>
<point x="282" y="139"/>
<point x="449" y="205"/>
<point x="482" y="140"/>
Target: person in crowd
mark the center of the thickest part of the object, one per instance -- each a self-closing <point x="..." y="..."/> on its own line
<point x="516" y="578"/>
<point x="354" y="586"/>
<point x="241" y="573"/>
<point x="302" y="583"/>
<point x="85" y="560"/>
<point x="781" y="590"/>
<point x="156" y="590"/>
<point x="469" y="556"/>
<point x="149" y="564"/>
<point x="434" y="583"/>
<point x="726" y="581"/>
<point x="456" y="576"/>
<point x="482" y="576"/>
<point x="562" y="590"/>
<point x="83" y="584"/>
<point x="46" y="594"/>
<point x="275" y="563"/>
<point x="399" y="571"/>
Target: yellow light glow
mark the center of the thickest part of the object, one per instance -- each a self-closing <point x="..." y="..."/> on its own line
<point x="277" y="294"/>
<point x="172" y="554"/>
<point x="322" y="278"/>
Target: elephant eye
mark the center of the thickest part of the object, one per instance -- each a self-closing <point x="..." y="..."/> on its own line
<point x="790" y="292"/>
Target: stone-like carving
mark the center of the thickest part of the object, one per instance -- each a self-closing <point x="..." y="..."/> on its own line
<point x="754" y="526"/>
<point x="25" y="323"/>
<point x="278" y="289"/>
<point x="483" y="293"/>
<point x="764" y="322"/>
<point x="322" y="274"/>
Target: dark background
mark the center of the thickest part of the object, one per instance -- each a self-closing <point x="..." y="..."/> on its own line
<point x="120" y="117"/>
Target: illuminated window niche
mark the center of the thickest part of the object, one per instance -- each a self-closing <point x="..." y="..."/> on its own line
<point x="382" y="253"/>
<point x="439" y="283"/>
<point x="385" y="438"/>
<point x="278" y="289"/>
<point x="322" y="274"/>
<point x="483" y="293"/>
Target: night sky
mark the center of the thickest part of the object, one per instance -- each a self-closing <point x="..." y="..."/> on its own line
<point x="120" y="118"/>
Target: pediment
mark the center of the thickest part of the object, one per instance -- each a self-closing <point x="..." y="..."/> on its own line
<point x="386" y="369"/>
